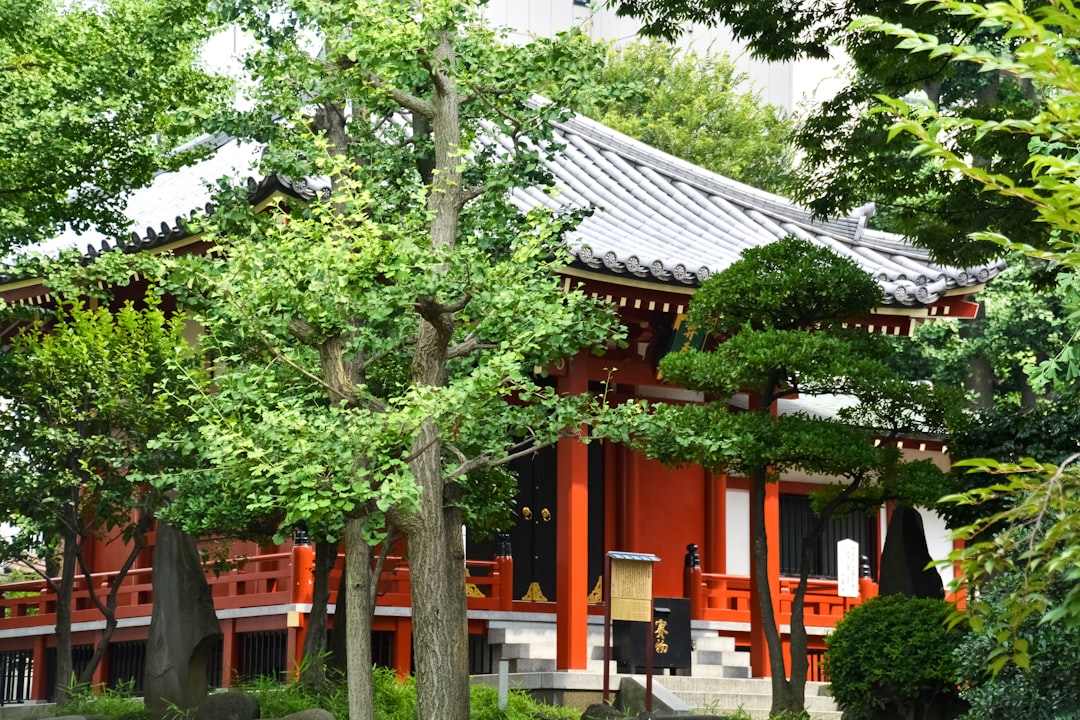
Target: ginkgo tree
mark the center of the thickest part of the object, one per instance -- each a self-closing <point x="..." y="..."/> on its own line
<point x="378" y="345"/>
<point x="96" y="96"/>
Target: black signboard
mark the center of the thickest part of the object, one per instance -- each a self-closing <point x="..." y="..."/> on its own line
<point x="670" y="637"/>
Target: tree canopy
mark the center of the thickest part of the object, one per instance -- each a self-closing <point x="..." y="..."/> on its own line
<point x="95" y="97"/>
<point x="1026" y="525"/>
<point x="697" y="107"/>
<point x="847" y="159"/>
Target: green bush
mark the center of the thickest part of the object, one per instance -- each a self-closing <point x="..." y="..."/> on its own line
<point x="893" y="657"/>
<point x="394" y="700"/>
<point x="1049" y="689"/>
<point x="115" y="703"/>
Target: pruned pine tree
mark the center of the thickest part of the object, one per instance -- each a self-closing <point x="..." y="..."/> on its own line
<point x="776" y="317"/>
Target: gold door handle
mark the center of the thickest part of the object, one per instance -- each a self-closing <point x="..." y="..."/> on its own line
<point x="526" y="513"/>
<point x="546" y="514"/>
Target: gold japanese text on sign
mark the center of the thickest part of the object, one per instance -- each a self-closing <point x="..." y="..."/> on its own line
<point x="631" y="590"/>
<point x="661" y="633"/>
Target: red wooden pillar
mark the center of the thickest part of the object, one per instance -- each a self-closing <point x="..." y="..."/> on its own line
<point x="715" y="545"/>
<point x="403" y="647"/>
<point x="230" y="653"/>
<point x="572" y="546"/>
<point x="302" y="579"/>
<point x="38" y="689"/>
<point x="759" y="652"/>
<point x="504" y="566"/>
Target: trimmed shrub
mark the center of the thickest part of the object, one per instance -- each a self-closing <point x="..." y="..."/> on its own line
<point x="893" y="657"/>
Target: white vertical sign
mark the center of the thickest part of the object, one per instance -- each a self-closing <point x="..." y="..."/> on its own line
<point x="847" y="568"/>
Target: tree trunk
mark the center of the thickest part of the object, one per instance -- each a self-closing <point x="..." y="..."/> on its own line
<point x="107" y="607"/>
<point x="436" y="553"/>
<point x="980" y="377"/>
<point x="65" y="669"/>
<point x="782" y="700"/>
<point x="361" y="600"/>
<point x="313" y="665"/>
<point x="440" y="613"/>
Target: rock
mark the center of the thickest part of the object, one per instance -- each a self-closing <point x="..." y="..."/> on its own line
<point x="599" y="711"/>
<point x="905" y="557"/>
<point x="184" y="629"/>
<point x="313" y="714"/>
<point x="232" y="705"/>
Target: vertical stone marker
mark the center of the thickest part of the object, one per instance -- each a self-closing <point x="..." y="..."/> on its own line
<point x="184" y="628"/>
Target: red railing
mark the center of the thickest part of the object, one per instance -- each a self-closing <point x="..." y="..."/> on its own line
<point x="260" y="580"/>
<point x="726" y="598"/>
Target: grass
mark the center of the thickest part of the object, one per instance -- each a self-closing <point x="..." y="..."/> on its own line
<point x="394" y="700"/>
<point x="115" y="703"/>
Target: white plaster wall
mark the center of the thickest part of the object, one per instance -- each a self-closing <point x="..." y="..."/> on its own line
<point x="737" y="532"/>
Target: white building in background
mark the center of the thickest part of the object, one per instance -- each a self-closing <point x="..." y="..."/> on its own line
<point x="786" y="85"/>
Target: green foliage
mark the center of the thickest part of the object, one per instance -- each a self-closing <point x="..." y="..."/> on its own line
<point x="117" y="703"/>
<point x="87" y="391"/>
<point x="95" y="98"/>
<point x="893" y="657"/>
<point x="1049" y="688"/>
<point x="519" y="706"/>
<point x="1024" y="323"/>
<point x="1035" y="56"/>
<point x="290" y="443"/>
<point x="1026" y="517"/>
<point x="698" y="108"/>
<point x="395" y="699"/>
<point x="791" y="284"/>
<point x="1028" y="527"/>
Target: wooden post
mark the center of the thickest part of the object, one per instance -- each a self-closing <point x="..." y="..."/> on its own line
<point x="692" y="582"/>
<point x="572" y="532"/>
<point x="504" y="564"/>
<point x="403" y="647"/>
<point x="230" y="653"/>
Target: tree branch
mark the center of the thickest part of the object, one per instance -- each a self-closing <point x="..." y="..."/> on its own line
<point x="469" y="345"/>
<point x="406" y="99"/>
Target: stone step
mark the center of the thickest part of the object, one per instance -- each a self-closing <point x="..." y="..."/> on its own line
<point x="723" y="657"/>
<point x="753" y="696"/>
<point x="714" y="642"/>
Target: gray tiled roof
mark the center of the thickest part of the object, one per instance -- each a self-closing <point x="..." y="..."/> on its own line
<point x="656" y="217"/>
<point x="663" y="219"/>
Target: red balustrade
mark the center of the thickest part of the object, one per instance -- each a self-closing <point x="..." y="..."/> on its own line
<point x="256" y="581"/>
<point x="726" y="598"/>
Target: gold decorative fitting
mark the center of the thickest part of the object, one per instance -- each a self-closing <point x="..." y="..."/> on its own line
<point x="546" y="514"/>
<point x="534" y="594"/>
<point x="526" y="513"/>
<point x="597" y="594"/>
<point x="470" y="588"/>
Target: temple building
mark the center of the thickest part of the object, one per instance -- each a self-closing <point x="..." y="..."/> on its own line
<point x="660" y="227"/>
